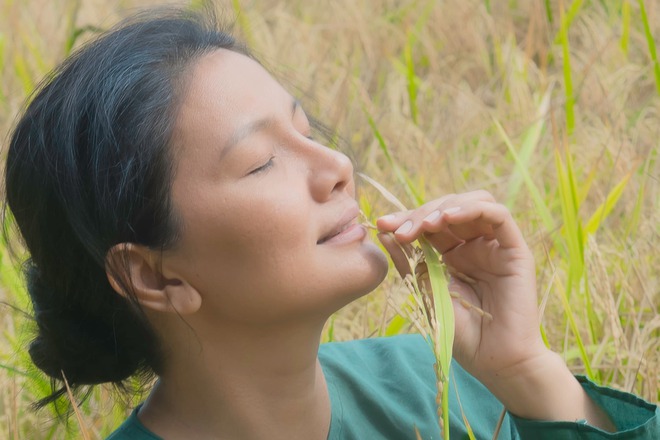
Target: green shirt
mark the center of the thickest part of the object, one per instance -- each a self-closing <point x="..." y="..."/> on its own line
<point x="384" y="388"/>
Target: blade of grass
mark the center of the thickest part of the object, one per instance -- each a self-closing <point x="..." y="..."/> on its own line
<point x="14" y="370"/>
<point x="539" y="203"/>
<point x="568" y="80"/>
<point x="468" y="427"/>
<point x="3" y="97"/>
<point x="23" y="73"/>
<point x="72" y="31"/>
<point x="243" y="23"/>
<point x="625" y="26"/>
<point x="414" y="195"/>
<point x="651" y="44"/>
<point x="643" y="174"/>
<point x="567" y="19"/>
<point x="529" y="144"/>
<point x="572" y="227"/>
<point x="395" y="326"/>
<point x="604" y="209"/>
<point x="548" y="11"/>
<point x="412" y="79"/>
<point x="444" y="329"/>
<point x="385" y="192"/>
<point x="444" y="310"/>
<point x="36" y="55"/>
<point x="568" y="311"/>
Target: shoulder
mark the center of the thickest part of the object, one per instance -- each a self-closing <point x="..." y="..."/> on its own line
<point x="133" y="429"/>
<point x="384" y="364"/>
<point x="386" y="388"/>
<point x="380" y="387"/>
<point x="370" y="351"/>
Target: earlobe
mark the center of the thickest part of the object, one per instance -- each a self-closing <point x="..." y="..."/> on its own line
<point x="135" y="271"/>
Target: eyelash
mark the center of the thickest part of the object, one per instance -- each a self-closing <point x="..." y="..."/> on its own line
<point x="269" y="164"/>
<point x="263" y="167"/>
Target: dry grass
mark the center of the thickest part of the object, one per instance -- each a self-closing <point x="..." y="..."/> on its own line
<point x="436" y="78"/>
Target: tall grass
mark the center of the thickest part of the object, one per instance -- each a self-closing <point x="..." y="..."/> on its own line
<point x="554" y="107"/>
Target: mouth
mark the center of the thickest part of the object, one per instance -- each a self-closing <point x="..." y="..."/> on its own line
<point x="336" y="232"/>
<point x="347" y="223"/>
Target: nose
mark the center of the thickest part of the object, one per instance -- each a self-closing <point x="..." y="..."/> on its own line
<point x="330" y="173"/>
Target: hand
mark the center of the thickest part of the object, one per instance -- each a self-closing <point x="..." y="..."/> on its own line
<point x="494" y="270"/>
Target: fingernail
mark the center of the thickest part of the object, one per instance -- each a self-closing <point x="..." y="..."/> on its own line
<point x="432" y="216"/>
<point x="387" y="217"/>
<point x="452" y="210"/>
<point x="404" y="228"/>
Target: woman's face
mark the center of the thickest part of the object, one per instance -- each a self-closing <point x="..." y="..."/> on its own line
<point x="270" y="222"/>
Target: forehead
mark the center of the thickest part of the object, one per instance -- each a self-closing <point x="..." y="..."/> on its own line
<point x="226" y="90"/>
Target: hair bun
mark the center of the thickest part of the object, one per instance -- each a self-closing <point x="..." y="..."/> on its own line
<point x="88" y="348"/>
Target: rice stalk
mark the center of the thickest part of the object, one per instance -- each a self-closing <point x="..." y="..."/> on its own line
<point x="76" y="410"/>
<point x="429" y="287"/>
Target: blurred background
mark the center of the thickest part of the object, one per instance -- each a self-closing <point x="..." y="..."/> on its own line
<point x="553" y="106"/>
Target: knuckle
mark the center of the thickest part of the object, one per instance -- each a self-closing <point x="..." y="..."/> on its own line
<point x="484" y="195"/>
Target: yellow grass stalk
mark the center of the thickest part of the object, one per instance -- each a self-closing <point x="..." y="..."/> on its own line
<point x="76" y="409"/>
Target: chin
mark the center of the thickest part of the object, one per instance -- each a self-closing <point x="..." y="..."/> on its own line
<point x="381" y="265"/>
<point x="371" y="274"/>
<point x="360" y="275"/>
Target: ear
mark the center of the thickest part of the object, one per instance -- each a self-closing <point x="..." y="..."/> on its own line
<point x="135" y="270"/>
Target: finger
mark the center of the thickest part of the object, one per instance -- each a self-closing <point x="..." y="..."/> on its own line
<point x="428" y="217"/>
<point x="399" y="253"/>
<point x="496" y="216"/>
<point x="390" y="222"/>
<point x="444" y="240"/>
<point x="437" y="222"/>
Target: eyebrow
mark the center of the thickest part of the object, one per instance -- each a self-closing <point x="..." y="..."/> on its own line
<point x="253" y="127"/>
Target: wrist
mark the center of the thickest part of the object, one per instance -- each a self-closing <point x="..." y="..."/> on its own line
<point x="541" y="388"/>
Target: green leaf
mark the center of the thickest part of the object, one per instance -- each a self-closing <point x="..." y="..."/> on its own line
<point x="534" y="192"/>
<point x="606" y="207"/>
<point x="651" y="44"/>
<point x="529" y="144"/>
<point x="444" y="329"/>
<point x="443" y="307"/>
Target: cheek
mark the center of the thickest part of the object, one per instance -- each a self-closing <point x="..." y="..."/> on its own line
<point x="247" y="235"/>
<point x="272" y="227"/>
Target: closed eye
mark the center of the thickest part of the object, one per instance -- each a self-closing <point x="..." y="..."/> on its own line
<point x="263" y="167"/>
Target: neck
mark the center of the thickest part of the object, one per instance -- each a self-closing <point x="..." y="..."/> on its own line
<point x="242" y="382"/>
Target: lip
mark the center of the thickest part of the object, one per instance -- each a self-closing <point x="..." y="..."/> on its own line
<point x="346" y="229"/>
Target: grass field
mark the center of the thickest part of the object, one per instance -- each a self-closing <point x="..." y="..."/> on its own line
<point x="552" y="106"/>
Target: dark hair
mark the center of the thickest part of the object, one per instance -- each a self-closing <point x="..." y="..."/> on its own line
<point x="90" y="166"/>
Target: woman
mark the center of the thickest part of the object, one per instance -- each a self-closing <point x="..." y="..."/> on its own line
<point x="182" y="222"/>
